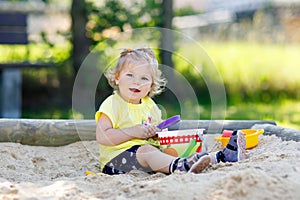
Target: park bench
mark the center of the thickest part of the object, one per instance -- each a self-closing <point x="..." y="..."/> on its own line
<point x="13" y="31"/>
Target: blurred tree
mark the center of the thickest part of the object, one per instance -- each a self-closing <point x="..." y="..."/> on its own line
<point x="91" y="20"/>
<point x="166" y="46"/>
<point x="81" y="43"/>
<point x="166" y="42"/>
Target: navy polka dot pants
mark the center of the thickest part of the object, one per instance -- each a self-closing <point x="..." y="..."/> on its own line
<point x="125" y="162"/>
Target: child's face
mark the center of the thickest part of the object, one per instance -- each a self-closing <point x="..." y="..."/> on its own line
<point x="134" y="82"/>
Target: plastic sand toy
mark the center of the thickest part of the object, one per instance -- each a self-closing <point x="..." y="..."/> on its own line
<point x="251" y="136"/>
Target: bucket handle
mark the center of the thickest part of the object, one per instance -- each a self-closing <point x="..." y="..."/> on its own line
<point x="199" y="133"/>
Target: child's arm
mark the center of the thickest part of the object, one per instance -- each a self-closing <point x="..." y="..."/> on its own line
<point x="107" y="135"/>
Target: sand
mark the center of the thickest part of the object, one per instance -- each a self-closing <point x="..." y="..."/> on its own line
<point x="271" y="171"/>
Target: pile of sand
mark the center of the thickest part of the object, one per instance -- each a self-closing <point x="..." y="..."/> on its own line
<point x="31" y="172"/>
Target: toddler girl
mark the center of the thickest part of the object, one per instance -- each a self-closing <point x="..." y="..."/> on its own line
<point x="126" y="122"/>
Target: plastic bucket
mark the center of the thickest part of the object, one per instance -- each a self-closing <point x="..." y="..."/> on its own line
<point x="181" y="143"/>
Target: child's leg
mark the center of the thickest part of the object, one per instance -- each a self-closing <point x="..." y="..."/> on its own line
<point x="124" y="162"/>
<point x="149" y="156"/>
<point x="234" y="151"/>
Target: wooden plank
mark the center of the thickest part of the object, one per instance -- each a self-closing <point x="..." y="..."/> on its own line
<point x="25" y="65"/>
<point x="13" y="28"/>
<point x="62" y="132"/>
<point x="46" y="132"/>
<point x="13" y="19"/>
<point x="13" y="37"/>
<point x="283" y="133"/>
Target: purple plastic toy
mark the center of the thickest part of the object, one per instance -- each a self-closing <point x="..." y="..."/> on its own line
<point x="169" y="122"/>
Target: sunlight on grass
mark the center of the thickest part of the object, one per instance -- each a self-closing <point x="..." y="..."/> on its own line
<point x="34" y="53"/>
<point x="255" y="65"/>
<point x="285" y="114"/>
<point x="251" y="67"/>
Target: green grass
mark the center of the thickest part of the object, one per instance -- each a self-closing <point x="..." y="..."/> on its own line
<point x="47" y="113"/>
<point x="249" y="69"/>
<point x="254" y="64"/>
<point x="286" y="113"/>
<point x="261" y="80"/>
<point x="34" y="53"/>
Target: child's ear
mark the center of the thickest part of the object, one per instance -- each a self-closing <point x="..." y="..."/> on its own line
<point x="117" y="78"/>
<point x="151" y="89"/>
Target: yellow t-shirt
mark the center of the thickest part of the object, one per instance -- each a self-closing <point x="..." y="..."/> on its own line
<point x="122" y="115"/>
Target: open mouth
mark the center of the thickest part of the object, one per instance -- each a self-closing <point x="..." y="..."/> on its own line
<point x="134" y="90"/>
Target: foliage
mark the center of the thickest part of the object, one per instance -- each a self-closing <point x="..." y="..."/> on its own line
<point x="104" y="24"/>
<point x="186" y="10"/>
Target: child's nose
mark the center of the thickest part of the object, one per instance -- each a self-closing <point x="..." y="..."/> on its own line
<point x="136" y="81"/>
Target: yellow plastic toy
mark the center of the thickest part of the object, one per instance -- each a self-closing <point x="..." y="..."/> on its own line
<point x="90" y="173"/>
<point x="251" y="136"/>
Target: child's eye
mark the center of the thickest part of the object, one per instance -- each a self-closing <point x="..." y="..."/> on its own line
<point x="129" y="75"/>
<point x="145" y="79"/>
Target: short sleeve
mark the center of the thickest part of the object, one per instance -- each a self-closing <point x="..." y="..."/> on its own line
<point x="107" y="108"/>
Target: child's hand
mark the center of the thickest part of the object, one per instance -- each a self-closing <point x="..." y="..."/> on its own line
<point x="151" y="131"/>
<point x="144" y="132"/>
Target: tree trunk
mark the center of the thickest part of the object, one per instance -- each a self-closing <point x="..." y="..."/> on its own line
<point x="166" y="41"/>
<point x="81" y="43"/>
<point x="167" y="47"/>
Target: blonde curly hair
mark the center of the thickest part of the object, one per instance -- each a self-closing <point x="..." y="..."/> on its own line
<point x="137" y="56"/>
